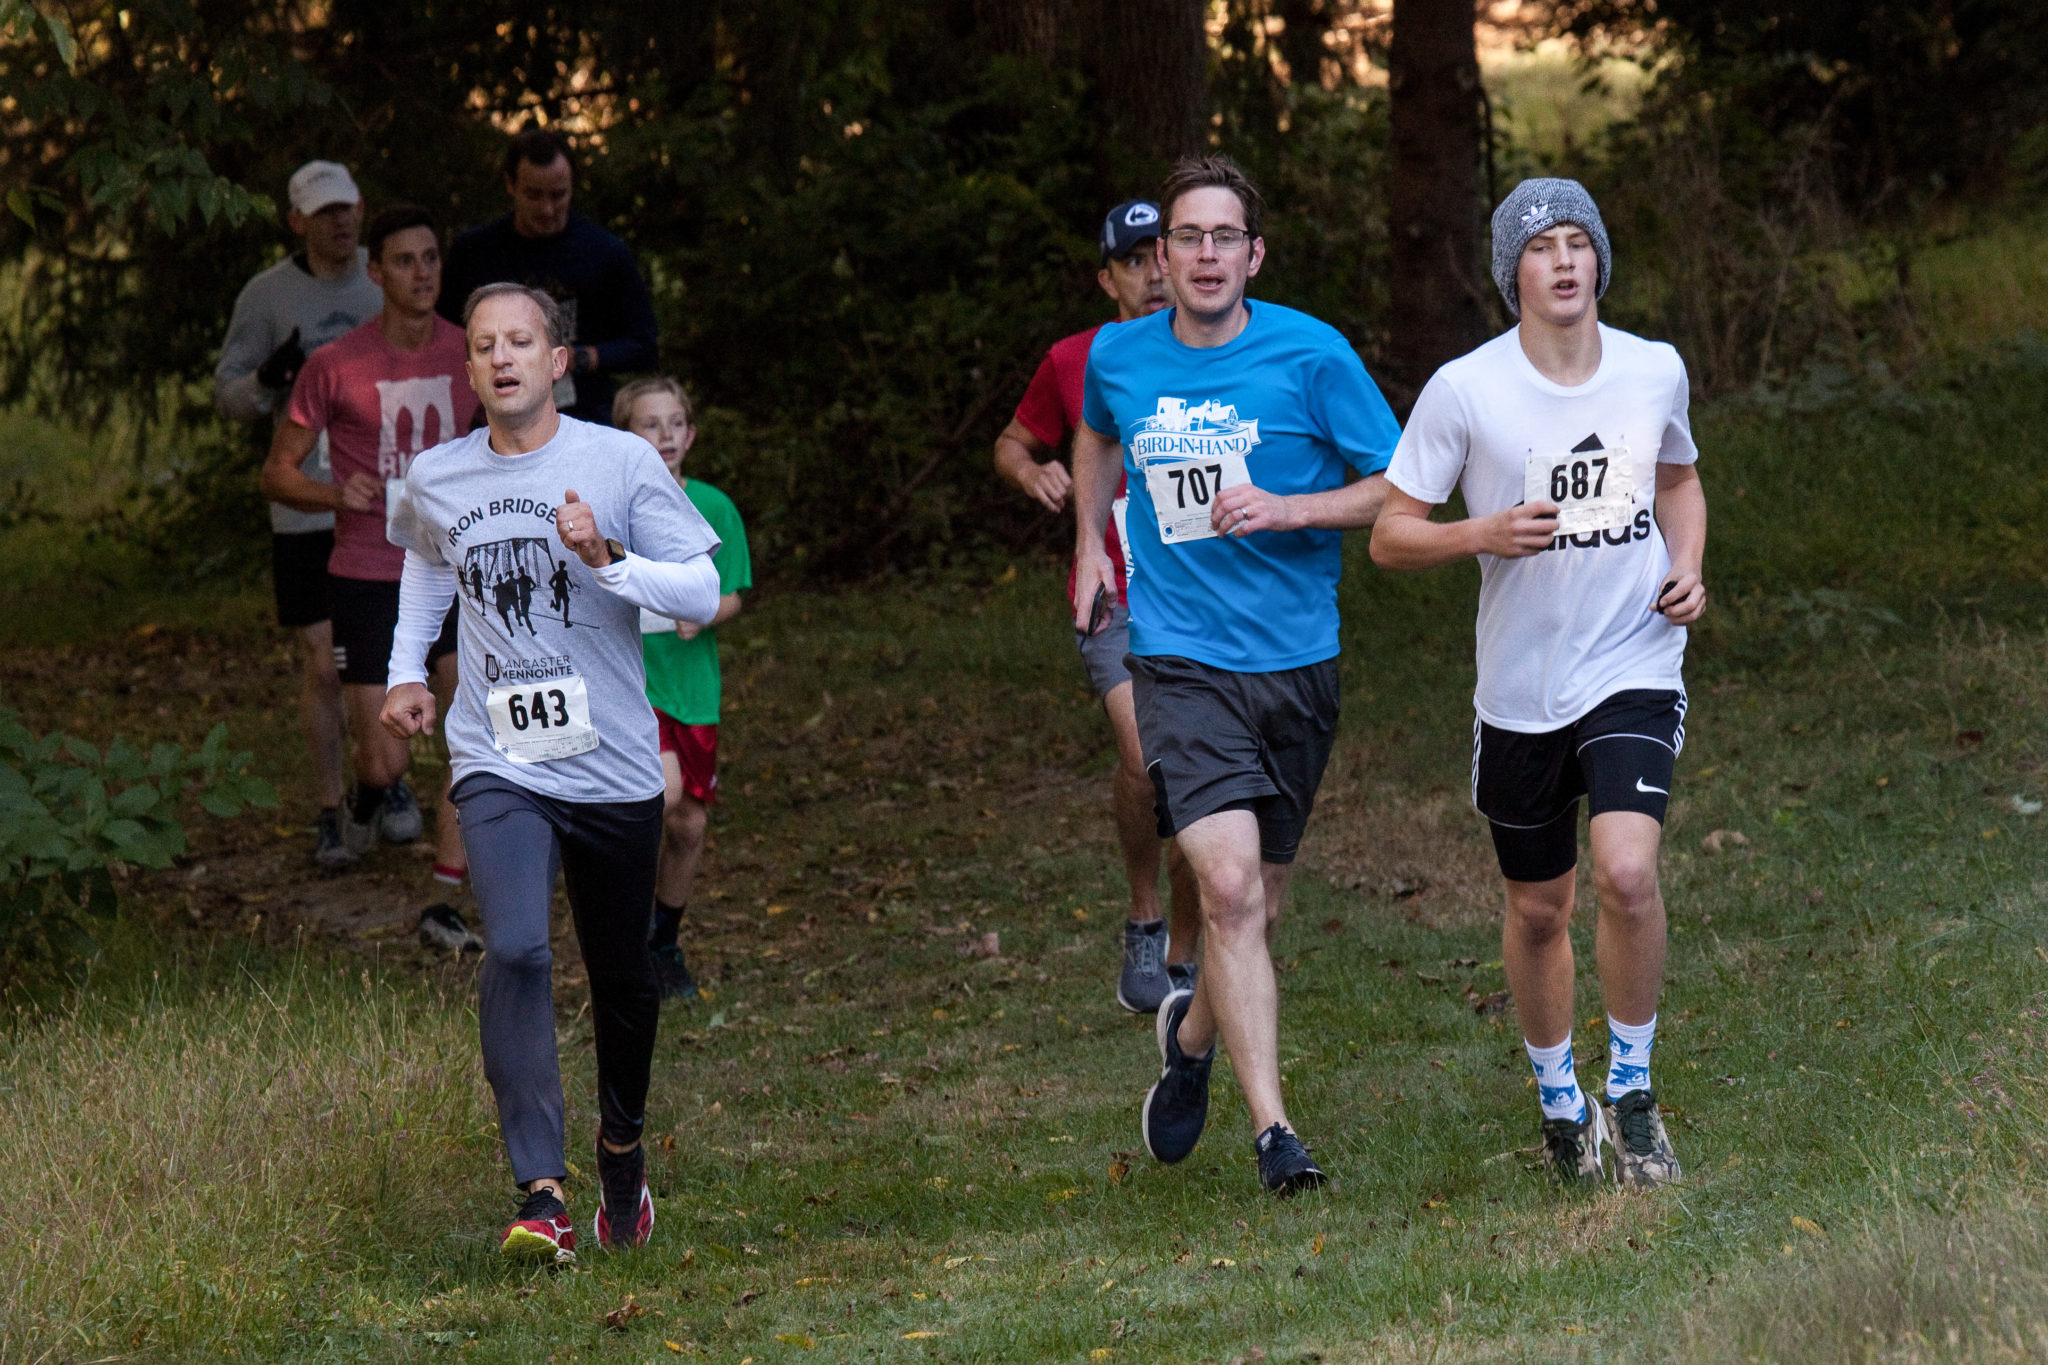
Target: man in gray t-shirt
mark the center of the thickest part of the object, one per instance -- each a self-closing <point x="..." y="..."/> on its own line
<point x="281" y="316"/>
<point x="551" y="738"/>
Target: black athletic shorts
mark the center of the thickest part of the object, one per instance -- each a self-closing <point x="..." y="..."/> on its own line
<point x="1619" y="755"/>
<point x="298" y="576"/>
<point x="365" y="619"/>
<point x="1217" y="740"/>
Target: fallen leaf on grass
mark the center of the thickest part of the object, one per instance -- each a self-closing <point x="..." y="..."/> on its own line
<point x="1495" y="1003"/>
<point x="1101" y="1353"/>
<point x="1333" y="925"/>
<point x="1720" y="839"/>
<point x="1316" y="1249"/>
<point x="1118" y="1169"/>
<point x="2022" y="806"/>
<point x="1221" y="1263"/>
<point x="1808" y="1226"/>
<point x="920" y="1336"/>
<point x="616" y="1320"/>
<point x="796" y="1339"/>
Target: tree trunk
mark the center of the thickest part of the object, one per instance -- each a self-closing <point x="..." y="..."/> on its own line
<point x="1438" y="289"/>
<point x="1155" y="75"/>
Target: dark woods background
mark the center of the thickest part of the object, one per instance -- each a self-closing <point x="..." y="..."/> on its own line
<point x="864" y="221"/>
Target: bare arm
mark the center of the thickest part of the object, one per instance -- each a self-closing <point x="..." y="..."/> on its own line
<point x="1028" y="462"/>
<point x="1247" y="508"/>
<point x="1098" y="465"/>
<point x="1682" y="517"/>
<point x="728" y="607"/>
<point x="282" y="481"/>
<point x="1405" y="537"/>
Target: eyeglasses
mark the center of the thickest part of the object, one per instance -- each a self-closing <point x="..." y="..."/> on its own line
<point x="1225" y="238"/>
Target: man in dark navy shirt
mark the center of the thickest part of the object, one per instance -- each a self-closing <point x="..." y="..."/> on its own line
<point x="543" y="245"/>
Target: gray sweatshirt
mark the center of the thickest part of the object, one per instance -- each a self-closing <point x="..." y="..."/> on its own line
<point x="276" y="300"/>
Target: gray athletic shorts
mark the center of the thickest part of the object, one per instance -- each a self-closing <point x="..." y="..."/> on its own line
<point x="1103" y="655"/>
<point x="1218" y="740"/>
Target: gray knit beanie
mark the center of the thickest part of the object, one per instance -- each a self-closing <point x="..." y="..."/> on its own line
<point x="1537" y="206"/>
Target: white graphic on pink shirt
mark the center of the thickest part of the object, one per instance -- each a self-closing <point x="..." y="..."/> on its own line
<point x="404" y="406"/>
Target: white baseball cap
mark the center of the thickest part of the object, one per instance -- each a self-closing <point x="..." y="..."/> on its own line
<point x="317" y="184"/>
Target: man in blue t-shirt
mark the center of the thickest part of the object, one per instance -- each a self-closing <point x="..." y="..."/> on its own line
<point x="1238" y="423"/>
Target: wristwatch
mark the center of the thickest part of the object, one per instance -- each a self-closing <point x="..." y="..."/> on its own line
<point x="615" y="550"/>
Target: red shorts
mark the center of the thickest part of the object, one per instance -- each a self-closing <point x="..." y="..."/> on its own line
<point x="696" y="750"/>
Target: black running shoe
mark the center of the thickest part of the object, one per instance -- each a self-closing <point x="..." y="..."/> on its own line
<point x="442" y="927"/>
<point x="1572" y="1150"/>
<point x="674" y="973"/>
<point x="625" y="1208"/>
<point x="1177" y="1105"/>
<point x="328" y="849"/>
<point x="1285" y="1166"/>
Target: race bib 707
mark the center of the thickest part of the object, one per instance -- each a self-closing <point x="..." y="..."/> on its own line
<point x="1183" y="491"/>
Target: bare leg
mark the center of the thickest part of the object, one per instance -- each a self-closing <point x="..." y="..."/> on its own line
<point x="1536" y="950"/>
<point x="381" y="757"/>
<point x="1237" y="998"/>
<point x="1137" y="827"/>
<point x="1185" y="930"/>
<point x="683" y="819"/>
<point x="320" y="712"/>
<point x="1629" y="942"/>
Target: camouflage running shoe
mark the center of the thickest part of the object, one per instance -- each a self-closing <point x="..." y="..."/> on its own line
<point x="1572" y="1150"/>
<point x="1642" y="1150"/>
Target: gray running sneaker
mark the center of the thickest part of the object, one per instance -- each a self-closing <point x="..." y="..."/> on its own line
<point x="400" y="821"/>
<point x="1572" y="1150"/>
<point x="1642" y="1150"/>
<point x="328" y="850"/>
<point x="1144" y="982"/>
<point x="1183" y="975"/>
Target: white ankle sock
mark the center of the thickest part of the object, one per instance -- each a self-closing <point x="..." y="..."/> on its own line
<point x="1557" y="1084"/>
<point x="1628" y="1056"/>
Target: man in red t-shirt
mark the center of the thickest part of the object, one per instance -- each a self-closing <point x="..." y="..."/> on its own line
<point x="1027" y="454"/>
<point x="382" y="393"/>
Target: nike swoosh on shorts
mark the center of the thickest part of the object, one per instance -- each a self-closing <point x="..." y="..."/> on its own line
<point x="1658" y="790"/>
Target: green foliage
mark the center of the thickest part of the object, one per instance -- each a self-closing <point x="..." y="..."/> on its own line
<point x="72" y="815"/>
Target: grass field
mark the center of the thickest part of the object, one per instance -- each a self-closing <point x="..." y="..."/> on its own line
<point x="260" y="1132"/>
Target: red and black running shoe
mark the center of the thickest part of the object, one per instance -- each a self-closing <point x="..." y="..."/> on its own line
<point x="541" y="1232"/>
<point x="625" y="1208"/>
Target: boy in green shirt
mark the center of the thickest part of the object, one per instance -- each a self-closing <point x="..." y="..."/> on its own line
<point x="682" y="674"/>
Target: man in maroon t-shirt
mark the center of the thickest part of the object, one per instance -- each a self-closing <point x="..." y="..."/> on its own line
<point x="1027" y="454"/>
<point x="384" y="392"/>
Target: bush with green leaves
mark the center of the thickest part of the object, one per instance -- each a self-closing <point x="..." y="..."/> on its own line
<point x="72" y="816"/>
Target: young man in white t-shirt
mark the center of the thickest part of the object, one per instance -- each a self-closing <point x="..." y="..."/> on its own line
<point x="1571" y="444"/>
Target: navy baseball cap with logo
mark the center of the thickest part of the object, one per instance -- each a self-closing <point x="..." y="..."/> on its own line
<point x="1128" y="225"/>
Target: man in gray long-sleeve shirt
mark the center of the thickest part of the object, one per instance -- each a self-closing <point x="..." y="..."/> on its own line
<point x="283" y="314"/>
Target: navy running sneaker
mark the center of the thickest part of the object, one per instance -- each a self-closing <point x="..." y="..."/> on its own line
<point x="541" y="1232"/>
<point x="1177" y="1105"/>
<point x="625" y="1208"/>
<point x="1143" y="983"/>
<point x="674" y="973"/>
<point x="1285" y="1167"/>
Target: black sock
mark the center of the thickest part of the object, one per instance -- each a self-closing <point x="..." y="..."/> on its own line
<point x="668" y="923"/>
<point x="369" y="800"/>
